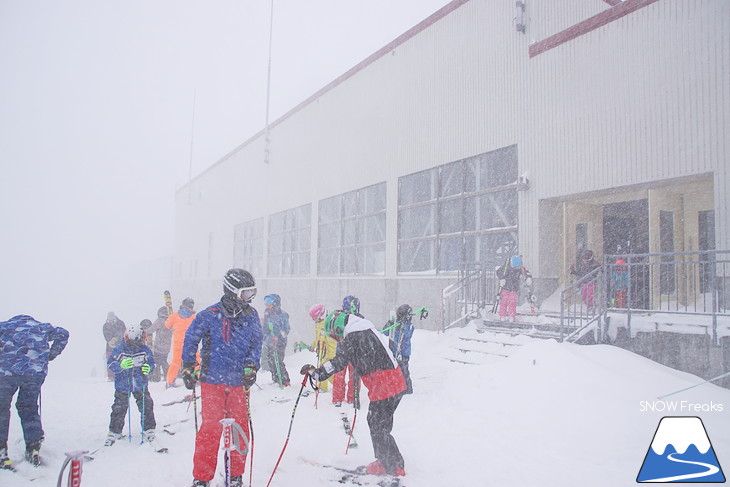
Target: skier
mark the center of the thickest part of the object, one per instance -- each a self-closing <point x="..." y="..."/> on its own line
<point x="509" y="283"/>
<point x="231" y="334"/>
<point x="131" y="361"/>
<point x="162" y="339"/>
<point x="343" y="382"/>
<point x="24" y="357"/>
<point x="276" y="329"/>
<point x="368" y="350"/>
<point x="114" y="329"/>
<point x="619" y="283"/>
<point x="400" y="329"/>
<point x="324" y="346"/>
<point x="178" y="323"/>
<point x="586" y="265"/>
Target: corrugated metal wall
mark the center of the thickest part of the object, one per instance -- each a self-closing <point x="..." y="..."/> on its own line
<point x="642" y="98"/>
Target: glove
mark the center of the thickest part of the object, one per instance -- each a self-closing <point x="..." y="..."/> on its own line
<point x="528" y="282"/>
<point x="145" y="369"/>
<point x="502" y="282"/>
<point x="189" y="375"/>
<point x="127" y="363"/>
<point x="249" y="377"/>
<point x="307" y="369"/>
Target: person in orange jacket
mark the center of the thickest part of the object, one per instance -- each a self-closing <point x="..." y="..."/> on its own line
<point x="179" y="323"/>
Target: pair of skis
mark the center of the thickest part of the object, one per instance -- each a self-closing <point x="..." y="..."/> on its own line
<point x="358" y="476"/>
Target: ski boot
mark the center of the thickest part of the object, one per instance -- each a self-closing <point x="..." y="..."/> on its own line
<point x="111" y="438"/>
<point x="149" y="436"/>
<point x="200" y="483"/>
<point x="5" y="463"/>
<point x="237" y="481"/>
<point x="32" y="453"/>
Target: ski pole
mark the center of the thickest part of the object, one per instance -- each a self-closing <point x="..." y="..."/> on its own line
<point x="250" y="432"/>
<point x="141" y="441"/>
<point x="301" y="389"/>
<point x="696" y="385"/>
<point x="129" y="409"/>
<point x="356" y="405"/>
<point x="195" y="406"/>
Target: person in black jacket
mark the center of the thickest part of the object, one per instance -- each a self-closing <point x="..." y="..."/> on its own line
<point x="510" y="276"/>
<point x="114" y="330"/>
<point x="369" y="352"/>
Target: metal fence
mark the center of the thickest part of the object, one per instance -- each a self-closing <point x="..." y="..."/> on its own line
<point x="694" y="283"/>
<point x="465" y="298"/>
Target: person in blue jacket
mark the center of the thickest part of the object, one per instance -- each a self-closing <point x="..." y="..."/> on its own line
<point x="400" y="332"/>
<point x="276" y="329"/>
<point x="131" y="361"/>
<point x="26" y="347"/>
<point x="230" y="332"/>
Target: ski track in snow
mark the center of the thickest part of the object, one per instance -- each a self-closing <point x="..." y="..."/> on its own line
<point x="542" y="416"/>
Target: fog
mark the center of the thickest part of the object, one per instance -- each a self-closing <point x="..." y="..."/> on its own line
<point x="106" y="108"/>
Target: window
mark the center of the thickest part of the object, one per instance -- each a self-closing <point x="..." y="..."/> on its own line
<point x="290" y="242"/>
<point x="248" y="246"/>
<point x="351" y="237"/>
<point x="460" y="212"/>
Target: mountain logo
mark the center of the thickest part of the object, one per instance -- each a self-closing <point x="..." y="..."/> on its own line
<point x="680" y="452"/>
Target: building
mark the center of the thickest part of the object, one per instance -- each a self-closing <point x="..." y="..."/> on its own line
<point x="490" y="127"/>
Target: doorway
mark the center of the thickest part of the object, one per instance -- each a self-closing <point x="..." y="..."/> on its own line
<point x="626" y="231"/>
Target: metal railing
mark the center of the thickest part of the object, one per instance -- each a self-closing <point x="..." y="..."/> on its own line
<point x="582" y="307"/>
<point x="685" y="283"/>
<point x="465" y="298"/>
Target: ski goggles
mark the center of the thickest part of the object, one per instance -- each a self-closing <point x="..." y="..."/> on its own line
<point x="246" y="293"/>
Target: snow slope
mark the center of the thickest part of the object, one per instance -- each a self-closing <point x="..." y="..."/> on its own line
<point x="548" y="414"/>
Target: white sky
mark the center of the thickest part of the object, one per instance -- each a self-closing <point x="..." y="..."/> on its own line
<point x="96" y="116"/>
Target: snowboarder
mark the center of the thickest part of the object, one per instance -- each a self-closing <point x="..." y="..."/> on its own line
<point x="586" y="265"/>
<point x="178" y="323"/>
<point x="509" y="276"/>
<point x="24" y="357"/>
<point x="368" y="350"/>
<point x="131" y="361"/>
<point x="276" y="329"/>
<point x="162" y="339"/>
<point x="400" y="330"/>
<point x="114" y="329"/>
<point x="324" y="346"/>
<point x="231" y="334"/>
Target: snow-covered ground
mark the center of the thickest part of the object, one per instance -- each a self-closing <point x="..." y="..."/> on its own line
<point x="546" y="414"/>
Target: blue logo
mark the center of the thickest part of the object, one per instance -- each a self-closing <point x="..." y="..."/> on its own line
<point x="680" y="452"/>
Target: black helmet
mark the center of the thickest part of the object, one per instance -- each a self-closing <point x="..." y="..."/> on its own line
<point x="144" y="324"/>
<point x="162" y="312"/>
<point x="404" y="313"/>
<point x="240" y="284"/>
<point x="188" y="303"/>
<point x="587" y="256"/>
<point x="351" y="304"/>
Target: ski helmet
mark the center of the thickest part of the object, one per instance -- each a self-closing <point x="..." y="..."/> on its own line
<point x="515" y="261"/>
<point x="162" y="312"/>
<point x="587" y="256"/>
<point x="334" y="325"/>
<point x="135" y="335"/>
<point x="144" y="324"/>
<point x="239" y="284"/>
<point x="404" y="313"/>
<point x="317" y="312"/>
<point x="188" y="304"/>
<point x="272" y="300"/>
<point x="351" y="305"/>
